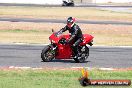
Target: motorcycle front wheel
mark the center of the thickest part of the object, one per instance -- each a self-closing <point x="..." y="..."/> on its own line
<point x="47" y="54"/>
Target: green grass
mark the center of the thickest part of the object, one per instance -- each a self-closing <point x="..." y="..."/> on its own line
<point x="55" y="78"/>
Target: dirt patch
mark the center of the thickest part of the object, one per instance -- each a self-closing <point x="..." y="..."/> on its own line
<point x="56" y="13"/>
<point x="118" y="29"/>
<point x="29" y="26"/>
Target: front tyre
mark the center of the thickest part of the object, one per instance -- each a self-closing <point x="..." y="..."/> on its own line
<point x="48" y="54"/>
<point x="84" y="53"/>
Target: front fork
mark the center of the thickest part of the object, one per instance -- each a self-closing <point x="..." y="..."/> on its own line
<point x="53" y="48"/>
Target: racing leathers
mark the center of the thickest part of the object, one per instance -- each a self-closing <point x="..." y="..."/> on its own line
<point x="76" y="37"/>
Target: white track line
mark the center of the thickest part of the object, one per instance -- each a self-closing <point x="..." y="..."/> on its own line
<point x="72" y="68"/>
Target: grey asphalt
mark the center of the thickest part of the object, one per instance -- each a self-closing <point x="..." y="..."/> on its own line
<point x="63" y="21"/>
<point x="76" y="5"/>
<point x="29" y="55"/>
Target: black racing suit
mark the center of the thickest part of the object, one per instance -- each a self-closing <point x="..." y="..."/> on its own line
<point x="76" y="36"/>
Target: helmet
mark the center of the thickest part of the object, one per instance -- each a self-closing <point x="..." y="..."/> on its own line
<point x="70" y="22"/>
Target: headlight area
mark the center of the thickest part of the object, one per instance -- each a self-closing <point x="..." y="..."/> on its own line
<point x="52" y="41"/>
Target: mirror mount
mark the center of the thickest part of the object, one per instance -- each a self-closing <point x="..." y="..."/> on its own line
<point x="53" y="30"/>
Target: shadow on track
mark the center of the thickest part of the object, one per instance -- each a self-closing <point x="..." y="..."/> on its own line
<point x="66" y="61"/>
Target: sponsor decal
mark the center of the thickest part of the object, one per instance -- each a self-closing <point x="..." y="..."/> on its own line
<point x="85" y="81"/>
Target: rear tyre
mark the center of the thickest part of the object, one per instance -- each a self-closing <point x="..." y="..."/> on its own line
<point x="47" y="54"/>
<point x="83" y="55"/>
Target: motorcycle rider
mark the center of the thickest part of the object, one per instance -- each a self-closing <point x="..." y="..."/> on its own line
<point x="76" y="34"/>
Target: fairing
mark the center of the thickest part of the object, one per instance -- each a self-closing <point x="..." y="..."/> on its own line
<point x="64" y="51"/>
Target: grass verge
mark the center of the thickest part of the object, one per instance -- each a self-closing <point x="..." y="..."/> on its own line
<point x="55" y="78"/>
<point x="38" y="33"/>
<point x="24" y="36"/>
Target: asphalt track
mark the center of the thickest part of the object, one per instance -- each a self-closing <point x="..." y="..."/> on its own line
<point x="62" y="21"/>
<point x="29" y="56"/>
<point x="76" y="5"/>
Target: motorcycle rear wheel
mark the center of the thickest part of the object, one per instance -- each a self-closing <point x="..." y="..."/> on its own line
<point x="47" y="54"/>
<point x="84" y="55"/>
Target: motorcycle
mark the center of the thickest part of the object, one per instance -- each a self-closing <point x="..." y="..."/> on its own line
<point x="60" y="49"/>
<point x="66" y="3"/>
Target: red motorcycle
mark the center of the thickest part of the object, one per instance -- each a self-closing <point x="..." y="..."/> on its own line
<point x="60" y="49"/>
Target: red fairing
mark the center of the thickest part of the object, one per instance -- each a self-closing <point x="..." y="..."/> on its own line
<point x="86" y="39"/>
<point x="64" y="51"/>
<point x="54" y="38"/>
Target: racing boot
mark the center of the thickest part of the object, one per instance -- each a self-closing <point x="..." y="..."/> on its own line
<point x="76" y="52"/>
